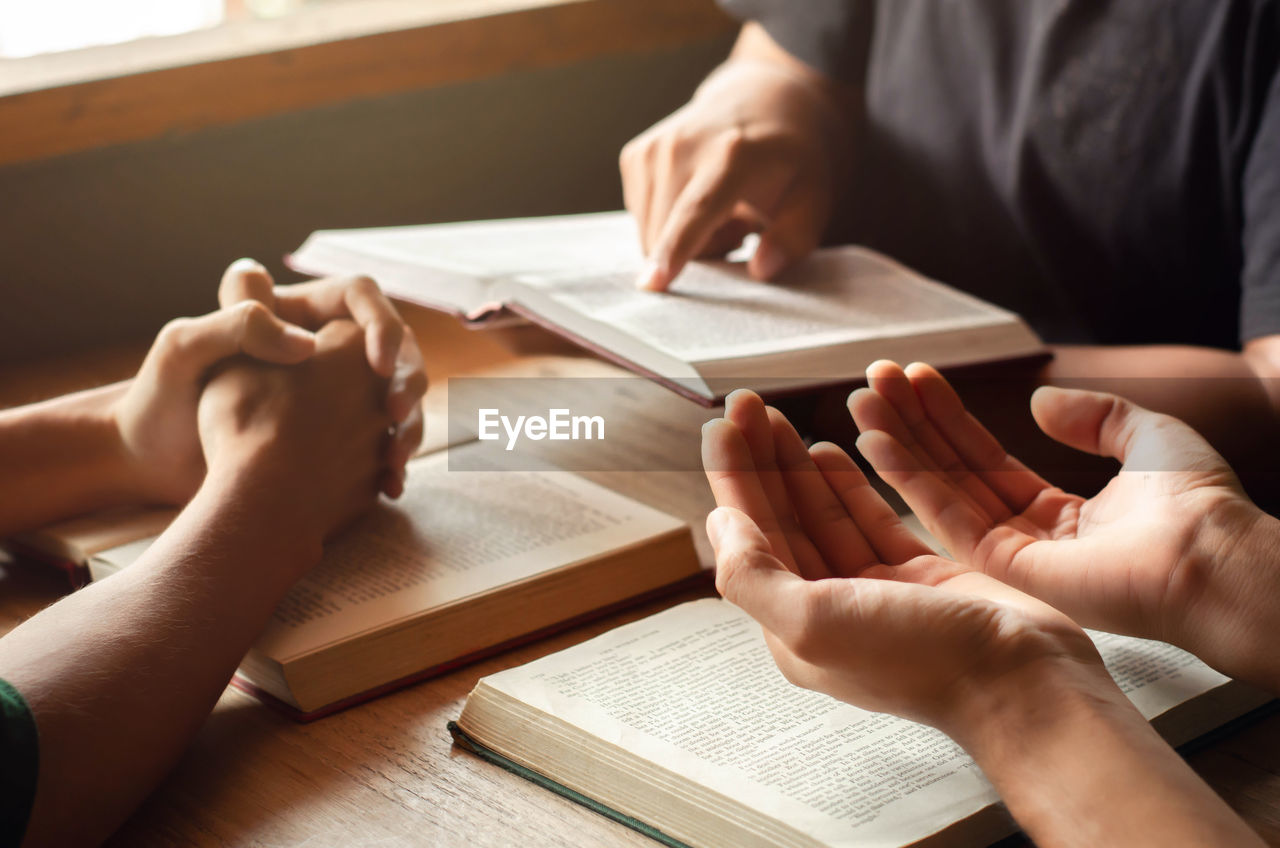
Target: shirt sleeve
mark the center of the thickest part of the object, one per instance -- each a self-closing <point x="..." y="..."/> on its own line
<point x="19" y="765"/>
<point x="1260" y="283"/>
<point x="829" y="35"/>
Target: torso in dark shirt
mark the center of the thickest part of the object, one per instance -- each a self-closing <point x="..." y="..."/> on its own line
<point x="1110" y="170"/>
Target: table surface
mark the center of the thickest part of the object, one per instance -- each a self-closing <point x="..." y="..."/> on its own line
<point x="386" y="772"/>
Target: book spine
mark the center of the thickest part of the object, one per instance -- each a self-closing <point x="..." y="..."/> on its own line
<point x="465" y="742"/>
<point x="77" y="573"/>
<point x="700" y="581"/>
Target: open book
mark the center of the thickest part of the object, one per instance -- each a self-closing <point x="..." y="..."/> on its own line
<point x="469" y="561"/>
<point x="464" y="564"/>
<point x="681" y="726"/>
<point x="822" y="324"/>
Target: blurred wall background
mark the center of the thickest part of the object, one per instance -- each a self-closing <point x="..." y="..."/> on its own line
<point x="105" y="246"/>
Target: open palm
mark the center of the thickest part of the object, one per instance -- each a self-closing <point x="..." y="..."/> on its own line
<point x="1131" y="559"/>
<point x="851" y="602"/>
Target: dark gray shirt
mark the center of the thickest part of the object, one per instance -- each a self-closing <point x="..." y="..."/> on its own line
<point x="1110" y="170"/>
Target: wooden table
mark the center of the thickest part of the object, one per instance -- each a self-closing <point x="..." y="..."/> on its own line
<point x="385" y="773"/>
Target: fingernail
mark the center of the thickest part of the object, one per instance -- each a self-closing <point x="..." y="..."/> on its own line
<point x="244" y="263"/>
<point x="768" y="260"/>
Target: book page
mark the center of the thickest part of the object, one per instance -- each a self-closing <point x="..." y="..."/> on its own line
<point x="497" y="249"/>
<point x="695" y="690"/>
<point x="451" y="535"/>
<point x="651" y="445"/>
<point x="715" y="311"/>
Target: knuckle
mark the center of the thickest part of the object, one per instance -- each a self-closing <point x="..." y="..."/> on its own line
<point x="174" y="334"/>
<point x="252" y="319"/>
<point x="733" y="146"/>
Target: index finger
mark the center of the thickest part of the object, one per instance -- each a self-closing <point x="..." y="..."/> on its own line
<point x="734" y="482"/>
<point x="955" y="520"/>
<point x="706" y="204"/>
<point x="1015" y="484"/>
<point x="834" y="532"/>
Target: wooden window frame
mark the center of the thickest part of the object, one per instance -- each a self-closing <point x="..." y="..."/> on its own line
<point x="66" y="103"/>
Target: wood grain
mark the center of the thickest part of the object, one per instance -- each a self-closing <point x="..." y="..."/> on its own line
<point x="385" y="773"/>
<point x="69" y="118"/>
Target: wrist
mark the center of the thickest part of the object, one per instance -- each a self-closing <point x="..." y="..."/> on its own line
<point x="88" y="433"/>
<point x="255" y="497"/>
<point x="1077" y="764"/>
<point x="1228" y="598"/>
<point x="994" y="717"/>
<point x="135" y="477"/>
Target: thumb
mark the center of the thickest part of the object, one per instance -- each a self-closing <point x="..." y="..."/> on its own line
<point x="747" y="572"/>
<point x="246" y="279"/>
<point x="1109" y="425"/>
<point x="265" y="336"/>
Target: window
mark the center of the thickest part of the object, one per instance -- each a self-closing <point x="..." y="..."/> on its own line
<point x="33" y="27"/>
<point x="97" y="73"/>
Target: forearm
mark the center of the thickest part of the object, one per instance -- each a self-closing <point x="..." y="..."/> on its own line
<point x="121" y="674"/>
<point x="61" y="458"/>
<point x="1078" y="765"/>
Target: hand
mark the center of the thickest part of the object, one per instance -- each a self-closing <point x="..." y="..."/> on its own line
<point x="155" y="413"/>
<point x="1170" y="549"/>
<point x="851" y="602"/>
<point x="311" y="436"/>
<point x="759" y="147"/>
<point x="391" y="347"/>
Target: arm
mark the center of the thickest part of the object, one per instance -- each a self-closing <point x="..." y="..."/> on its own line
<point x="135" y="442"/>
<point x="852" y="605"/>
<point x="132" y="442"/>
<point x="762" y="145"/>
<point x="120" y="675"/>
<point x="63" y="457"/>
<point x="1077" y="764"/>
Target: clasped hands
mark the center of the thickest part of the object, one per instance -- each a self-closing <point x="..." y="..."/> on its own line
<point x="853" y="604"/>
<point x="314" y="388"/>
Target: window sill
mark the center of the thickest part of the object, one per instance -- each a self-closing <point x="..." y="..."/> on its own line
<point x="77" y="101"/>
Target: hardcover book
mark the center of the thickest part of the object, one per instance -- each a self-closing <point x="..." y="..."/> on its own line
<point x="717" y="330"/>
